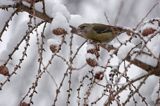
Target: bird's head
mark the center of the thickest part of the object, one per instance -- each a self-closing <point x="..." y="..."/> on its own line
<point x="85" y="28"/>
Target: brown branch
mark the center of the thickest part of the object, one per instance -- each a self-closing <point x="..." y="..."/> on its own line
<point x="7" y="24"/>
<point x="41" y="15"/>
<point x="146" y="15"/>
<point x="147" y="67"/>
<point x="21" y="8"/>
<point x="153" y="71"/>
<point x="6" y="7"/>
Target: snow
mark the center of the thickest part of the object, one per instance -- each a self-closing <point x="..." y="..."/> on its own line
<point x="97" y="69"/>
<point x="62" y="18"/>
<point x="76" y="20"/>
<point x="13" y="34"/>
<point x="49" y="5"/>
<point x="38" y="6"/>
<point x="4" y="14"/>
<point x="54" y="41"/>
<point x="57" y="22"/>
<point x="91" y="56"/>
<point x="52" y="8"/>
<point x="124" y="50"/>
<point x="153" y="45"/>
<point x="114" y="62"/>
<point x="6" y="2"/>
<point x="60" y="8"/>
<point x="148" y="25"/>
<point x="90" y="46"/>
<point x="154" y="95"/>
<point x="104" y="56"/>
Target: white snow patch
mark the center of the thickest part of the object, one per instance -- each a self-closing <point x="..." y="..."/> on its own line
<point x="60" y="21"/>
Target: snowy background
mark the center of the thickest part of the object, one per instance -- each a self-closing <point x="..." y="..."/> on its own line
<point x="125" y="13"/>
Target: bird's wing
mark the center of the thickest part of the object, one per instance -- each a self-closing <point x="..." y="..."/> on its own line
<point x="101" y="28"/>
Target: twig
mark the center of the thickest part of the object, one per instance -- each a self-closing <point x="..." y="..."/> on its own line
<point x="146" y="15"/>
<point x="119" y="12"/>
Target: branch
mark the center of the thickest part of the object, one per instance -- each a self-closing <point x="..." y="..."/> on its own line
<point x="42" y="15"/>
<point x="45" y="17"/>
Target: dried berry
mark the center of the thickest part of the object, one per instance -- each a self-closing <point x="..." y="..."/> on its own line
<point x="99" y="75"/>
<point x="54" y="48"/>
<point x="93" y="51"/>
<point x="24" y="104"/>
<point x="91" y="62"/>
<point x="59" y="31"/>
<point x="148" y="31"/>
<point x="4" y="70"/>
<point x="129" y="33"/>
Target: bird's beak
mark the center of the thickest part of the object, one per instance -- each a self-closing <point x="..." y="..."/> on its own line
<point x="77" y="31"/>
<point x="80" y="31"/>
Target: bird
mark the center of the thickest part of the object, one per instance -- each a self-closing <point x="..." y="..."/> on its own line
<point x="98" y="32"/>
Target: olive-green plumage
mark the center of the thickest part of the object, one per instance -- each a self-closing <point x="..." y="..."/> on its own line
<point x="99" y="32"/>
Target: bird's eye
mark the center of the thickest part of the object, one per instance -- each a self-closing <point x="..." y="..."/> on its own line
<point x="82" y="27"/>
